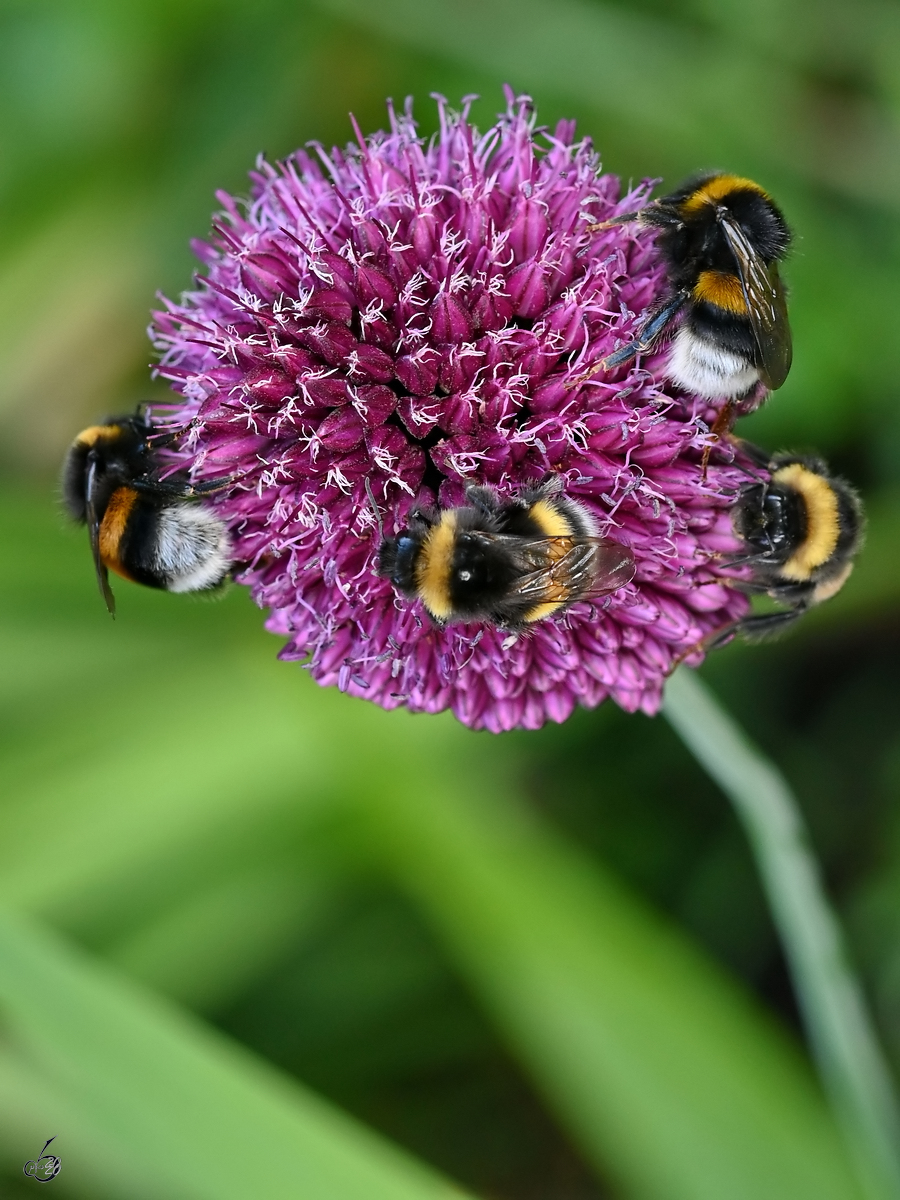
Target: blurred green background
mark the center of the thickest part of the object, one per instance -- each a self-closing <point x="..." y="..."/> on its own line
<point x="258" y="939"/>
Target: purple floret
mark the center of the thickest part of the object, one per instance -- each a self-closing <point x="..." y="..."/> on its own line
<point x="423" y="316"/>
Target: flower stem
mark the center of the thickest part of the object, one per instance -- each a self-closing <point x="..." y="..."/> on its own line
<point x="850" y="1060"/>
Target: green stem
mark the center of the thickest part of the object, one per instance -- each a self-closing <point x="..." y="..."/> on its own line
<point x="850" y="1059"/>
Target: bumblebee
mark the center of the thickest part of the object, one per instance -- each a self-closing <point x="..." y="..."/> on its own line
<point x="144" y="528"/>
<point x="802" y="530"/>
<point x="722" y="238"/>
<point x="509" y="563"/>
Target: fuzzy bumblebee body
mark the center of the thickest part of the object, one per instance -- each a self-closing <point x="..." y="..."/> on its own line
<point x="722" y="238"/>
<point x="508" y="563"/>
<point x="802" y="531"/>
<point x="145" y="529"/>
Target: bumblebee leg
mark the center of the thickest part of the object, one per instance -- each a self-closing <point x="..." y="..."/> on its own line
<point x="721" y="425"/>
<point x="209" y="486"/>
<point x="182" y="491"/>
<point x="743" y="560"/>
<point x="645" y="340"/>
<point x="721" y="637"/>
<point x="93" y="523"/>
<point x="753" y="629"/>
<point x="157" y="437"/>
<point x="648" y="336"/>
<point x="654" y="215"/>
<point x="748" y="587"/>
<point x="162" y="440"/>
<point x="622" y="219"/>
<point x="757" y="629"/>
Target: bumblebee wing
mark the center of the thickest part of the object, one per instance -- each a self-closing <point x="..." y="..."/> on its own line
<point x="766" y="306"/>
<point x="561" y="569"/>
<point x="93" y="522"/>
<point x="614" y="566"/>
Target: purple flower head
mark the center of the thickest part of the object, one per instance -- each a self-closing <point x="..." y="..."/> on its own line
<point x="424" y="316"/>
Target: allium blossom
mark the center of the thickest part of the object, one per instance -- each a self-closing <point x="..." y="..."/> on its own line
<point x="424" y="316"/>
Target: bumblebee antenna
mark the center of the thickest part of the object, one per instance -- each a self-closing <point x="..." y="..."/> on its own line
<point x="375" y="508"/>
<point x="93" y="523"/>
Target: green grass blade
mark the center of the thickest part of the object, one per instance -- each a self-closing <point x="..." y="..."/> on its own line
<point x="844" y="1042"/>
<point x="214" y="940"/>
<point x="665" y="1074"/>
<point x="180" y="1110"/>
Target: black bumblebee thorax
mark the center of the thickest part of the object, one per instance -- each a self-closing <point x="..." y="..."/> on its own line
<point x="479" y="575"/>
<point x="397" y="561"/>
<point x="761" y="221"/>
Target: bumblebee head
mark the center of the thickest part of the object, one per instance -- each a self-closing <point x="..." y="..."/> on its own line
<point x="90" y="445"/>
<point x="115" y="450"/>
<point x="397" y="558"/>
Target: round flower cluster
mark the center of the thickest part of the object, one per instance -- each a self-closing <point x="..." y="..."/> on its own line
<point x="418" y="317"/>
